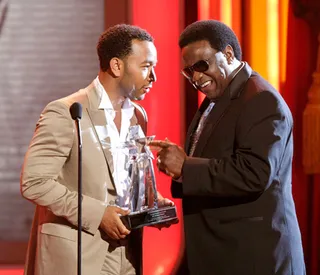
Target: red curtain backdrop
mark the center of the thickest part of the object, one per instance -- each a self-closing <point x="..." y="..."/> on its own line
<point x="301" y="61"/>
<point x="163" y="105"/>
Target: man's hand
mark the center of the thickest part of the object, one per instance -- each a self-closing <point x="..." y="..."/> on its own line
<point x="163" y="202"/>
<point x="112" y="224"/>
<point x="170" y="157"/>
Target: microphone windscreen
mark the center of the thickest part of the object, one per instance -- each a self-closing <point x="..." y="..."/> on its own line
<point x="76" y="110"/>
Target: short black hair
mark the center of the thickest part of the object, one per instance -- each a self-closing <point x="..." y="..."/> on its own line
<point x="116" y="41"/>
<point x="215" y="32"/>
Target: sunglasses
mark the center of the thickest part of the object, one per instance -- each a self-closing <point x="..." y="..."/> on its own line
<point x="200" y="66"/>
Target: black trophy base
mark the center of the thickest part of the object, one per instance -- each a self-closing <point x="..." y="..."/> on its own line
<point x="160" y="215"/>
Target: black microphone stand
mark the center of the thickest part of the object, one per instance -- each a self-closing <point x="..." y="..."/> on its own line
<point x="76" y="113"/>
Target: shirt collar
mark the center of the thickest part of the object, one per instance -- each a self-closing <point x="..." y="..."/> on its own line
<point x="239" y="69"/>
<point x="105" y="102"/>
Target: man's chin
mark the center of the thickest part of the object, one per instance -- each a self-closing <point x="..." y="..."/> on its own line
<point x="213" y="95"/>
<point x="137" y="98"/>
<point x="141" y="97"/>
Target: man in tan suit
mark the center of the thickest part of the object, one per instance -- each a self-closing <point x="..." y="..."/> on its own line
<point x="49" y="176"/>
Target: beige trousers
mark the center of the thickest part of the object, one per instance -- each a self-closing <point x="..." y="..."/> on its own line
<point x="119" y="260"/>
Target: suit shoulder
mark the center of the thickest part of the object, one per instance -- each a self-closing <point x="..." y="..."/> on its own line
<point x="257" y="84"/>
<point x="65" y="102"/>
<point x="259" y="93"/>
<point x="79" y="96"/>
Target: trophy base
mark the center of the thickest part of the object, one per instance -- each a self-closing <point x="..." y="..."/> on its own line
<point x="137" y="220"/>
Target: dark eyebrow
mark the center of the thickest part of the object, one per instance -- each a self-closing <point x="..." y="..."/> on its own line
<point x="149" y="61"/>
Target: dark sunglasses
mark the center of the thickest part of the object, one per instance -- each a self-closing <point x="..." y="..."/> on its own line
<point x="200" y="66"/>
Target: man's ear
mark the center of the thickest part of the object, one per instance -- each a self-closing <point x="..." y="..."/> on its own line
<point x="116" y="65"/>
<point x="229" y="53"/>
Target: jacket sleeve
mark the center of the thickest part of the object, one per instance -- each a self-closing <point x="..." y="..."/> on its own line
<point x="263" y="131"/>
<point x="47" y="154"/>
<point x="176" y="189"/>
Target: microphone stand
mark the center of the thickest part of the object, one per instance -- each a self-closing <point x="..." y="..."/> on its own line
<point x="77" y="121"/>
<point x="76" y="114"/>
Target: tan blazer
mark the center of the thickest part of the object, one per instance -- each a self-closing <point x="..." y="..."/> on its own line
<point x="49" y="179"/>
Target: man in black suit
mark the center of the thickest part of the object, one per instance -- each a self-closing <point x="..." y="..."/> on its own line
<point x="234" y="176"/>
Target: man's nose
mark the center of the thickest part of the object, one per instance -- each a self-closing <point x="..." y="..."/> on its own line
<point x="152" y="75"/>
<point x="196" y="76"/>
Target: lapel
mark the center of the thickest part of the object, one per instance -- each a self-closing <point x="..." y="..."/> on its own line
<point x="195" y="121"/>
<point x="232" y="92"/>
<point x="99" y="123"/>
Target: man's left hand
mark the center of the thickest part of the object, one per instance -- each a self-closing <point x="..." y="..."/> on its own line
<point x="163" y="202"/>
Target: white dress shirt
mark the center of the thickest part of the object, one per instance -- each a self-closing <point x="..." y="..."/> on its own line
<point x="119" y="154"/>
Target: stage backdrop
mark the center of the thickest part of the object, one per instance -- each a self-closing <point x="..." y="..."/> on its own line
<point x="47" y="51"/>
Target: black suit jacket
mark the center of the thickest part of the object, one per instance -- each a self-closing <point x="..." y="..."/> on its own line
<point x="239" y="214"/>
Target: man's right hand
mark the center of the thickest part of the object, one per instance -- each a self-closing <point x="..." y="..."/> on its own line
<point x="112" y="224"/>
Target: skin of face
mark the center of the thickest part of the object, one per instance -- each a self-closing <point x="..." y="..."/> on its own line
<point x="138" y="73"/>
<point x="214" y="81"/>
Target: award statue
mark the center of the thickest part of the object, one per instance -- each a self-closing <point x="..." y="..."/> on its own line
<point x="141" y="197"/>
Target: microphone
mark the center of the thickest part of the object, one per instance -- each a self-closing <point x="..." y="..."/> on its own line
<point x="76" y="114"/>
<point x="76" y="110"/>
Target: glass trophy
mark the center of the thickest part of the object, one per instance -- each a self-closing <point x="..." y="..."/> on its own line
<point x="141" y="196"/>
